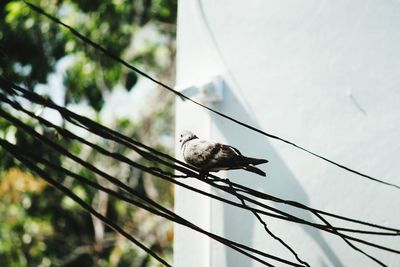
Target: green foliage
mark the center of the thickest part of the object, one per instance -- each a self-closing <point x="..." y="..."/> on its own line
<point x="39" y="225"/>
<point x="32" y="44"/>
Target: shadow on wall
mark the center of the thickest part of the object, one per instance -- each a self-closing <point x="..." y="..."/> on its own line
<point x="279" y="182"/>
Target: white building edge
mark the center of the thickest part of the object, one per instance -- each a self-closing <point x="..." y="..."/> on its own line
<point x="323" y="74"/>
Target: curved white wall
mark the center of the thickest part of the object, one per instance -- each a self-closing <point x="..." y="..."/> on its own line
<point x="323" y="74"/>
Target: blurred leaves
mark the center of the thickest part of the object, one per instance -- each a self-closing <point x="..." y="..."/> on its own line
<point x="15" y="182"/>
<point x="39" y="225"/>
<point x="32" y="44"/>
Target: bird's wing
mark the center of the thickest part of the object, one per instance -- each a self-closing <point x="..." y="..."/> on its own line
<point x="220" y="156"/>
<point x="199" y="153"/>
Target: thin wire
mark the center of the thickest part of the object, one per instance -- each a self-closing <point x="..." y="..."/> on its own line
<point x="263" y="195"/>
<point x="384" y="248"/>
<point x="330" y="230"/>
<point x="82" y="203"/>
<point x="92" y="126"/>
<point x="343" y="235"/>
<point x="171" y="216"/>
<point x="366" y="243"/>
<point x="334" y="230"/>
<point x="101" y="131"/>
<point x="281" y="140"/>
<point x="67" y="134"/>
<point x="270" y="232"/>
<point x="126" y="64"/>
<point x="348" y="242"/>
<point x="234" y="245"/>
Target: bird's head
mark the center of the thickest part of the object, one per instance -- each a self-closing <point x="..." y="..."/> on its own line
<point x="186" y="136"/>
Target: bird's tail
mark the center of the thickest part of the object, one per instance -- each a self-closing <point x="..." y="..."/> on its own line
<point x="254" y="161"/>
<point x="255" y="170"/>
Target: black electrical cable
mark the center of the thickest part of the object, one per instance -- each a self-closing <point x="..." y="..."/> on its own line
<point x="68" y="115"/>
<point x="67" y="134"/>
<point x="130" y="66"/>
<point x="78" y="200"/>
<point x="245" y="125"/>
<point x="3" y="115"/>
<point x="110" y="134"/>
<point x="234" y="245"/>
<point x="254" y="193"/>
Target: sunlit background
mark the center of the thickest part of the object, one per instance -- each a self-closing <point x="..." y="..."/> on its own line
<point x="39" y="225"/>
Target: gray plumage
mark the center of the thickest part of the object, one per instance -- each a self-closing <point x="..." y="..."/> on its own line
<point x="212" y="157"/>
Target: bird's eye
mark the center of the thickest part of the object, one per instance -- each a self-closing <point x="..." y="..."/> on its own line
<point x="181" y="135"/>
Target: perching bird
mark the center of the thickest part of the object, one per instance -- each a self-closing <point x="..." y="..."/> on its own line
<point x="213" y="157"/>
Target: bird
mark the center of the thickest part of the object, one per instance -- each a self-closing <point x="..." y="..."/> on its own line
<point x="208" y="156"/>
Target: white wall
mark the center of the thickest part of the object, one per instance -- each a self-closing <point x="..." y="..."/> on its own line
<point x="323" y="74"/>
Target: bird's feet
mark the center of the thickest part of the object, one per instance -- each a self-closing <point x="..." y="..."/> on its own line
<point x="203" y="175"/>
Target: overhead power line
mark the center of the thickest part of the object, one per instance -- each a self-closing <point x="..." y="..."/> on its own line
<point x="107" y="133"/>
<point x="285" y="216"/>
<point x="159" y="210"/>
<point x="15" y="91"/>
<point x="31" y="165"/>
<point x="163" y="85"/>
